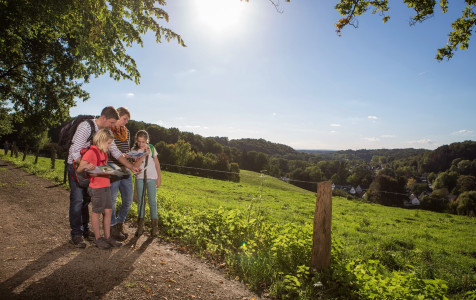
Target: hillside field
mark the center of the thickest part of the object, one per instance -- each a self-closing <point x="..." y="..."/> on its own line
<point x="424" y="244"/>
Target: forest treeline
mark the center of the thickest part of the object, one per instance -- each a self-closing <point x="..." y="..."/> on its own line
<point x="444" y="179"/>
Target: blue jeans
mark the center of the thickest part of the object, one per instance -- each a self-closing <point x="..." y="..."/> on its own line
<point x="78" y="205"/>
<point x="124" y="185"/>
<point x="151" y="193"/>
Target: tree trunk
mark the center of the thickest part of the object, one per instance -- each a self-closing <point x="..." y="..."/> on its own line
<point x="37" y="154"/>
<point x="12" y="149"/>
<point x="53" y="157"/>
<point x="25" y="152"/>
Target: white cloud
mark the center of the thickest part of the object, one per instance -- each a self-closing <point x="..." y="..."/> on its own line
<point x="160" y="123"/>
<point x="274" y="114"/>
<point x="193" y="127"/>
<point x="332" y="131"/>
<point x="334" y="125"/>
<point x="130" y="95"/>
<point x="372" y="117"/>
<point x="422" y="142"/>
<point x="463" y="132"/>
<point x="388" y="136"/>
<point x="372" y="139"/>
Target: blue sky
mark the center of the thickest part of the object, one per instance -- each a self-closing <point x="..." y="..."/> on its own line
<point x="250" y="72"/>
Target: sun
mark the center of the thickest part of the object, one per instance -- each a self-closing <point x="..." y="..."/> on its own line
<point x="220" y="15"/>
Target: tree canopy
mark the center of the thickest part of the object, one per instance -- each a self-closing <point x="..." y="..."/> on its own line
<point x="50" y="48"/>
<point x="463" y="26"/>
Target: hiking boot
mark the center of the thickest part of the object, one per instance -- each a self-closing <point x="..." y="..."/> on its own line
<point x="89" y="235"/>
<point x="78" y="241"/>
<point x="155" y="227"/>
<point x="140" y="227"/>
<point x="121" y="229"/>
<point x="116" y="233"/>
<point x="111" y="241"/>
<point x="101" y="243"/>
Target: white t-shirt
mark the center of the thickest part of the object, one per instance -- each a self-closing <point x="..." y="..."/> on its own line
<point x="151" y="169"/>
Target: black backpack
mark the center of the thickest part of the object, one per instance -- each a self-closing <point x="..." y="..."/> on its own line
<point x="67" y="132"/>
<point x="69" y="129"/>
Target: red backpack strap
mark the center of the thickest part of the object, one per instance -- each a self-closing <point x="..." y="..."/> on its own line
<point x="98" y="156"/>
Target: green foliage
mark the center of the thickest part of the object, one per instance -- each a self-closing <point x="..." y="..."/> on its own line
<point x="437" y="201"/>
<point x="458" y="37"/>
<point x="387" y="191"/>
<point x="466" y="204"/>
<point x="49" y="48"/>
<point x="262" y="227"/>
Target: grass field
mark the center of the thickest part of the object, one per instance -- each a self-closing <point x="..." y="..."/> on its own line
<point x="391" y="246"/>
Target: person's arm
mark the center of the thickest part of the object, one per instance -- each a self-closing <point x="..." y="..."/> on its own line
<point x="85" y="165"/>
<point x="158" y="182"/>
<point x="80" y="140"/>
<point x="117" y="154"/>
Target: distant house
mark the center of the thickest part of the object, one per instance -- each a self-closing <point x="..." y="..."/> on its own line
<point x="358" y="190"/>
<point x="285" y="179"/>
<point x="333" y="186"/>
<point x="352" y="191"/>
<point x="413" y="201"/>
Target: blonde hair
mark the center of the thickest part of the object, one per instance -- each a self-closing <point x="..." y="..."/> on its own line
<point x="143" y="134"/>
<point x="101" y="138"/>
<point x="124" y="111"/>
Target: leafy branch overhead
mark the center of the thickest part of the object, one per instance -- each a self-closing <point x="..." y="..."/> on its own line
<point x="424" y="9"/>
<point x="463" y="26"/>
<point x="49" y="48"/>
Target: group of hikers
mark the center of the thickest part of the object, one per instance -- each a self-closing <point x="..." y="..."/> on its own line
<point x="90" y="145"/>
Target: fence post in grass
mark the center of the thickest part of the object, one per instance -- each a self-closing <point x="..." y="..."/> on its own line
<point x="321" y="238"/>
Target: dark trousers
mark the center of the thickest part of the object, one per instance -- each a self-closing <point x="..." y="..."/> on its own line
<point x="78" y="205"/>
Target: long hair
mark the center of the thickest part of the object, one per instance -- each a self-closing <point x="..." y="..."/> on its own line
<point x="142" y="134"/>
<point x="101" y="138"/>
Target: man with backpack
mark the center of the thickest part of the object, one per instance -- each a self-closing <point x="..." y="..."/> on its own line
<point x="79" y="198"/>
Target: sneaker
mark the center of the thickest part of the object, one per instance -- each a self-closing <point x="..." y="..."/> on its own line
<point x="89" y="235"/>
<point x="101" y="243"/>
<point x="111" y="241"/>
<point x="78" y="241"/>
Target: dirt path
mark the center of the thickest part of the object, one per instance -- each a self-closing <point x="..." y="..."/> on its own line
<point x="38" y="262"/>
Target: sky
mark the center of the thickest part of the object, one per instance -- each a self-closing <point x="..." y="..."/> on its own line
<point x="249" y="71"/>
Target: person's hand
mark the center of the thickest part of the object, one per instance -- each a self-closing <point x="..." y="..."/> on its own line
<point x="135" y="169"/>
<point x="158" y="182"/>
<point x="90" y="166"/>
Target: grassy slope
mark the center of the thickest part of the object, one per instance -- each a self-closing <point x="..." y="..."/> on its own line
<point x="438" y="245"/>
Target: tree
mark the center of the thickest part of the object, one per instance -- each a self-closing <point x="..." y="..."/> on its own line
<point x="50" y="48"/>
<point x="6" y="126"/>
<point x="458" y="38"/>
<point x="437" y="201"/>
<point x="387" y="191"/>
<point x="467" y="204"/>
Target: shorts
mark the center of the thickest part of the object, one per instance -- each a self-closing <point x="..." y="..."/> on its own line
<point x="100" y="198"/>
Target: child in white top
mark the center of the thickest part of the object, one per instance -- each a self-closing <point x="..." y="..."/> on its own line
<point x="149" y="179"/>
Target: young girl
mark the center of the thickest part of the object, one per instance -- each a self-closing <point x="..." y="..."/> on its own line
<point x="99" y="187"/>
<point x="149" y="179"/>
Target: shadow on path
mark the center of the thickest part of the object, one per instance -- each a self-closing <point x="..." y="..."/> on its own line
<point x="89" y="275"/>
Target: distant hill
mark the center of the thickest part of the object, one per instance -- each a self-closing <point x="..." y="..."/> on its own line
<point x="259" y="145"/>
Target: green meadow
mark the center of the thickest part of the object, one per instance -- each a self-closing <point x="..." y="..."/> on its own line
<point x="261" y="229"/>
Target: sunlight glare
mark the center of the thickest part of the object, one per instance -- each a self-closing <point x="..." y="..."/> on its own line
<point x="220" y="15"/>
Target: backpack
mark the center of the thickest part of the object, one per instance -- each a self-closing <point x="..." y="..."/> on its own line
<point x="66" y="136"/>
<point x="82" y="177"/>
<point x="69" y="129"/>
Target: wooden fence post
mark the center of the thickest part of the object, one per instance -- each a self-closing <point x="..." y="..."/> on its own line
<point x="321" y="238"/>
